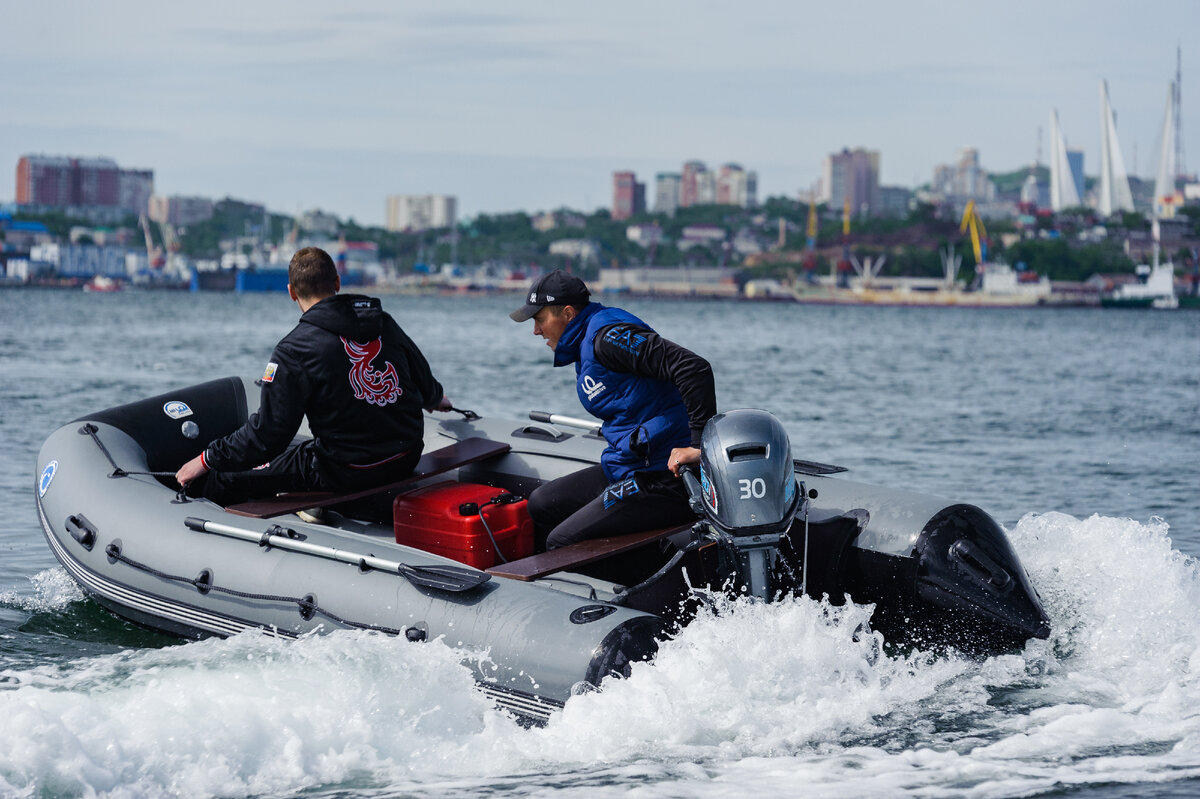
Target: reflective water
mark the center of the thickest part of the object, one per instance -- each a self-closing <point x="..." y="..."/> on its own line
<point x="1077" y="429"/>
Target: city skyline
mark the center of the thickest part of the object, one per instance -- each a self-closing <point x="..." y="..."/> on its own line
<point x="534" y="107"/>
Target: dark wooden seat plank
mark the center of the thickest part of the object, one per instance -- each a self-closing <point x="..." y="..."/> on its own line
<point x="439" y="461"/>
<point x="581" y="554"/>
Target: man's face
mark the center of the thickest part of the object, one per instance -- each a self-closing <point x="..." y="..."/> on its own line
<point x="550" y="324"/>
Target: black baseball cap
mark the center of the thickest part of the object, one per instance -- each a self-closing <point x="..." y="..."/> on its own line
<point x="555" y="288"/>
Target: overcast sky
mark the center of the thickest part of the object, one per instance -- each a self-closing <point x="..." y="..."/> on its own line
<point x="517" y="105"/>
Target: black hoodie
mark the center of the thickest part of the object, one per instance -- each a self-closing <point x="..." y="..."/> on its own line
<point x="359" y="379"/>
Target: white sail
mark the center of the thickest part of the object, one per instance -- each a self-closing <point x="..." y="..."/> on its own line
<point x="1114" y="181"/>
<point x="1164" y="182"/>
<point x="1062" y="182"/>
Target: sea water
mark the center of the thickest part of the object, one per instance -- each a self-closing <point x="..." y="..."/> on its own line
<point x="1076" y="428"/>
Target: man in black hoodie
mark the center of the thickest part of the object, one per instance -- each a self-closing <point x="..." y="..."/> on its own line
<point x="359" y="379"/>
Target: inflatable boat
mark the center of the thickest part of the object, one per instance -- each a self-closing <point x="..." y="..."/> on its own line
<point x="448" y="553"/>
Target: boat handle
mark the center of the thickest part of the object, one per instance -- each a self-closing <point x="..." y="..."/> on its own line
<point x="82" y="531"/>
<point x="980" y="565"/>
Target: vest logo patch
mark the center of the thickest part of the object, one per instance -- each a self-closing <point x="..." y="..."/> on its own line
<point x="591" y="386"/>
<point x="376" y="387"/>
<point x="269" y="373"/>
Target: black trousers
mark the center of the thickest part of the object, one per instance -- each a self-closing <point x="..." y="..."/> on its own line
<point x="299" y="469"/>
<point x="584" y="505"/>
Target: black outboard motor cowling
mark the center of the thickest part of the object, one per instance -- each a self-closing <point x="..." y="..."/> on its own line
<point x="748" y="491"/>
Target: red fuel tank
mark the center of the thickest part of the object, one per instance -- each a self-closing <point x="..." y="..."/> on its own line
<point x="444" y="519"/>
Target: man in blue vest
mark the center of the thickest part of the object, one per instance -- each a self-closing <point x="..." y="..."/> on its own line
<point x="653" y="398"/>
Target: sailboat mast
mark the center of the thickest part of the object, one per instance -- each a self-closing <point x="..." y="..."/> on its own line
<point x="1180" y="166"/>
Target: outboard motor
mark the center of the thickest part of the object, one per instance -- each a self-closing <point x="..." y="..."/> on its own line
<point x="747" y="491"/>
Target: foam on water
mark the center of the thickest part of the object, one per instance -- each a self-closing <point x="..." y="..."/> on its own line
<point x="53" y="589"/>
<point x="231" y="717"/>
<point x="755" y="699"/>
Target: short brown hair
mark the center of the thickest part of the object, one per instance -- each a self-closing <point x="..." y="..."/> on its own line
<point x="312" y="273"/>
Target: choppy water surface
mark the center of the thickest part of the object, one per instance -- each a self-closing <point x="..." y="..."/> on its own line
<point x="1077" y="429"/>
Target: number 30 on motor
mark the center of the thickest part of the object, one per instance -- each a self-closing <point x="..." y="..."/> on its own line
<point x="753" y="489"/>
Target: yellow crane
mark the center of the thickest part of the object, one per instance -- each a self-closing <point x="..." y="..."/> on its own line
<point x="810" y="241"/>
<point x="972" y="222"/>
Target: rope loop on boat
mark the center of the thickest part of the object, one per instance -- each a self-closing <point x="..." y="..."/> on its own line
<point x="204" y="583"/>
<point x="90" y="429"/>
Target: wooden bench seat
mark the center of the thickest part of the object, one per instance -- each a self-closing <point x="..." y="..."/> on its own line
<point x="458" y="454"/>
<point x="581" y="554"/>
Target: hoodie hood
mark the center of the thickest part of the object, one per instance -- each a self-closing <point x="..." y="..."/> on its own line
<point x="353" y="316"/>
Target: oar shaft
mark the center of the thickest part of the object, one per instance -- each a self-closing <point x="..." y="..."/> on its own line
<point x="565" y="421"/>
<point x="292" y="545"/>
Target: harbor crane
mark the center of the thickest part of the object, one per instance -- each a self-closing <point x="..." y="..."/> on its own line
<point x="170" y="240"/>
<point x="154" y="254"/>
<point x="972" y="222"/>
<point x="868" y="269"/>
<point x="844" y="268"/>
<point x="810" y="241"/>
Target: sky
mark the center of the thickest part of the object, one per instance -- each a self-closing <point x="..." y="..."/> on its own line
<point x="531" y="106"/>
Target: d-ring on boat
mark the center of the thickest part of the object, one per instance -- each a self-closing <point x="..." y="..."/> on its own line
<point x="448" y="552"/>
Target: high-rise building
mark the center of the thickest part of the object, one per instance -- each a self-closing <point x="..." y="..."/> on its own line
<point x="414" y="212"/>
<point x="852" y="175"/>
<point x="689" y="181"/>
<point x="971" y="179"/>
<point x="64" y="181"/>
<point x="894" y="200"/>
<point x="736" y="186"/>
<point x="629" y="196"/>
<point x="180" y="211"/>
<point x="135" y="187"/>
<point x="706" y="188"/>
<point x="965" y="179"/>
<point x="666" y="192"/>
<point x="317" y="221"/>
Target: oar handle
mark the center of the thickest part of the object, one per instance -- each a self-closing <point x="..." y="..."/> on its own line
<point x="565" y="421"/>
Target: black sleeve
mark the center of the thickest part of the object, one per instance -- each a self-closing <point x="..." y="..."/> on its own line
<point x="426" y="384"/>
<point x="271" y="429"/>
<point x="631" y="348"/>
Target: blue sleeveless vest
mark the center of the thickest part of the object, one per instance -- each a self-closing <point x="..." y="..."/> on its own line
<point x="643" y="418"/>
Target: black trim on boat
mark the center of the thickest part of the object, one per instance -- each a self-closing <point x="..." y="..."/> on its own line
<point x="812" y="467"/>
<point x="631" y="641"/>
<point x="216" y="408"/>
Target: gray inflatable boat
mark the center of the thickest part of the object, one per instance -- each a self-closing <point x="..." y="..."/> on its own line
<point x="448" y="553"/>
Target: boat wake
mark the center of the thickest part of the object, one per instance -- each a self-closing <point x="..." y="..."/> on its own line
<point x="753" y="698"/>
<point x="53" y="590"/>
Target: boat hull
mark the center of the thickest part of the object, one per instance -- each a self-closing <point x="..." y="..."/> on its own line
<point x="941" y="574"/>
